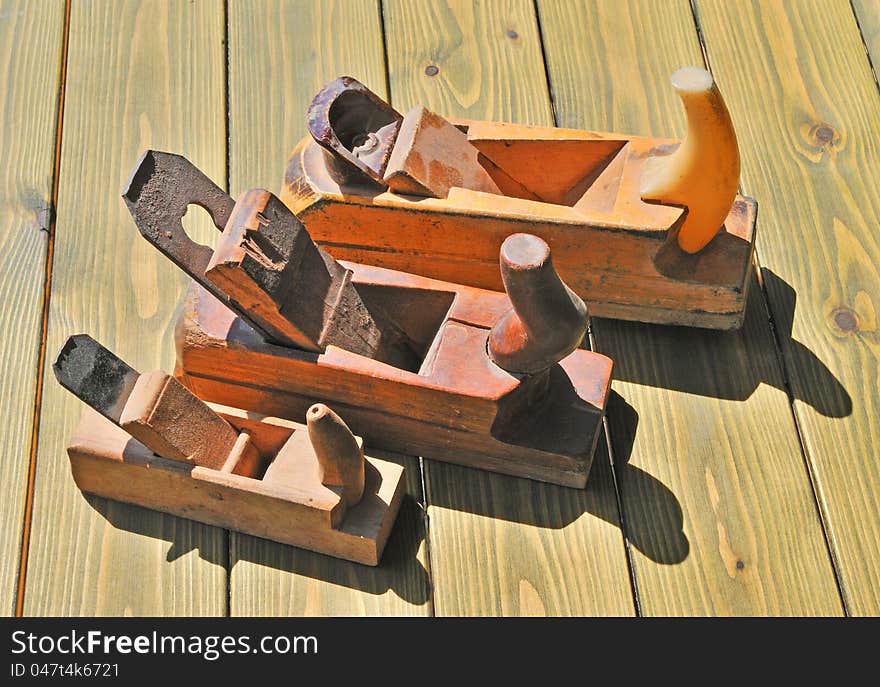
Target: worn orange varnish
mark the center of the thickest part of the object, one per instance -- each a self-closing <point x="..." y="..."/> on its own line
<point x="679" y="259"/>
<point x="147" y="440"/>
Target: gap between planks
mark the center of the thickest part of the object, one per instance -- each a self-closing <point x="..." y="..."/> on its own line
<point x="44" y="322"/>
<point x="472" y="513"/>
<point x="869" y="34"/>
<point x="606" y="429"/>
<point x="227" y="611"/>
<point x="786" y="381"/>
<point x="422" y="501"/>
<point x="777" y="345"/>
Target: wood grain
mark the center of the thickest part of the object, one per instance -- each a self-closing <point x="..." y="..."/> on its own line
<point x="29" y="81"/>
<point x="499" y="545"/>
<point x="281" y="53"/>
<point x="487" y="57"/>
<point x="868" y="17"/>
<point x="809" y="115"/>
<point x="140" y="74"/>
<point x="271" y="83"/>
<point x="735" y="529"/>
<point x="274" y="580"/>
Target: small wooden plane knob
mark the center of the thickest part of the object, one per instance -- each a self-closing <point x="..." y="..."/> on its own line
<point x="548" y="320"/>
<point x="703" y="173"/>
<point x="340" y="455"/>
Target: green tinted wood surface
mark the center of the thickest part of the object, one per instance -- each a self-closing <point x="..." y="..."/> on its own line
<point x="140" y="74"/>
<point x="868" y="15"/>
<point x="281" y="54"/>
<point x="717" y="501"/>
<point x="708" y="460"/>
<point x="809" y="118"/>
<point x="29" y="83"/>
<point x="501" y="545"/>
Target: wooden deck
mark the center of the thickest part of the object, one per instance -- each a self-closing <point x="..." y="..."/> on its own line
<point x="741" y="472"/>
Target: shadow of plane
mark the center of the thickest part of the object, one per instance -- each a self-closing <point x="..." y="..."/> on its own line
<point x="719" y="364"/>
<point x="399" y="570"/>
<point x="723" y="364"/>
<point x="656" y="529"/>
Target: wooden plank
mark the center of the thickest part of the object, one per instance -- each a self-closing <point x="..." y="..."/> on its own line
<point x="153" y="77"/>
<point x="315" y="42"/>
<point x="809" y="116"/>
<point x="282" y="52"/>
<point x="736" y="529"/>
<point x="29" y="81"/>
<point x="868" y="16"/>
<point x="500" y="545"/>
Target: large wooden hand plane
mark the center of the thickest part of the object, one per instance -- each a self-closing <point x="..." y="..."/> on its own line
<point x="274" y="324"/>
<point x="641" y="228"/>
<point x="153" y="443"/>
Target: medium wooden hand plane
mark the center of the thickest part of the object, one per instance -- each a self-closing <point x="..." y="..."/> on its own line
<point x="417" y="365"/>
<point x="641" y="228"/>
<point x="159" y="446"/>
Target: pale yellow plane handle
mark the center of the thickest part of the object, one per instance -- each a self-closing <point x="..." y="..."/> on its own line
<point x="703" y="173"/>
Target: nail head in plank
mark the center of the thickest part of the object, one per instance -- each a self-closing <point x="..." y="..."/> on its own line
<point x="29" y="81"/>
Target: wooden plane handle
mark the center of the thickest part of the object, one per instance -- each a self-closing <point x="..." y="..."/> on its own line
<point x="548" y="320"/>
<point x="703" y="172"/>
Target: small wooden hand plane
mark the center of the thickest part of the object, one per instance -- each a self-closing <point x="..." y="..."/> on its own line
<point x="157" y="445"/>
<point x="641" y="228"/>
<point x="416" y="365"/>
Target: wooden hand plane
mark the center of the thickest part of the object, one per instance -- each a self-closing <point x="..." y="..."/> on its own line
<point x="641" y="228"/>
<point x="274" y="324"/>
<point x="153" y="443"/>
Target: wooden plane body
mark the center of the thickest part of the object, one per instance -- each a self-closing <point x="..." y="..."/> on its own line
<point x="577" y="190"/>
<point x="457" y="405"/>
<point x="278" y="497"/>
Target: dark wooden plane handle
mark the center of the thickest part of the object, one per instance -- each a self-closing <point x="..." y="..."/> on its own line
<point x="548" y="320"/>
